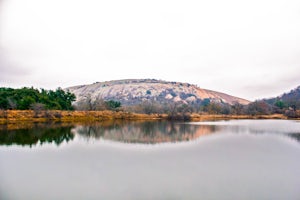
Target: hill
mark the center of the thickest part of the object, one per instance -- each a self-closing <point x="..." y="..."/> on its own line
<point x="293" y="96"/>
<point x="290" y="99"/>
<point x="287" y="104"/>
<point x="135" y="91"/>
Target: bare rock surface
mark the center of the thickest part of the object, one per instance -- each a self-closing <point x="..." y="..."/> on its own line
<point x="135" y="91"/>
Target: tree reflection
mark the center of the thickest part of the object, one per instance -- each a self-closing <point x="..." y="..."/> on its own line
<point x="123" y="131"/>
<point x="295" y="136"/>
<point x="36" y="135"/>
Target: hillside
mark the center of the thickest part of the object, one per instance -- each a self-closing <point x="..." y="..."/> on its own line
<point x="293" y="95"/>
<point x="289" y="99"/>
<point x="136" y="91"/>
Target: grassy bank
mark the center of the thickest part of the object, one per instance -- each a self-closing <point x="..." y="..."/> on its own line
<point x="23" y="116"/>
<point x="18" y="116"/>
<point x="209" y="117"/>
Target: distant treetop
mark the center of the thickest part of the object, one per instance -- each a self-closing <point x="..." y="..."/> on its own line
<point x="25" y="98"/>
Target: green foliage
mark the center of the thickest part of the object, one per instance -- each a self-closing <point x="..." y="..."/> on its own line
<point x="205" y="102"/>
<point x="287" y="100"/>
<point x="3" y="103"/>
<point x="25" y="102"/>
<point x="112" y="105"/>
<point x="280" y="104"/>
<point x="24" y="98"/>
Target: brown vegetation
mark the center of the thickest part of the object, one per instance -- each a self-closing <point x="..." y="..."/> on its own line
<point x="25" y="116"/>
<point x="14" y="116"/>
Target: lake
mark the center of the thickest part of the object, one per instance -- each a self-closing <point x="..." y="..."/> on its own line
<point x="236" y="159"/>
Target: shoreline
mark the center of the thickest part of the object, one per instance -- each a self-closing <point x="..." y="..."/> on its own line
<point x="27" y="119"/>
<point x="23" y="116"/>
<point x="17" y="116"/>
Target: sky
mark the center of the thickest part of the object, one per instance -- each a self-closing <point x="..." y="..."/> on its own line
<point x="249" y="49"/>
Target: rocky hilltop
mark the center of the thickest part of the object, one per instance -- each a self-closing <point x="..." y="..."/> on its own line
<point x="135" y="91"/>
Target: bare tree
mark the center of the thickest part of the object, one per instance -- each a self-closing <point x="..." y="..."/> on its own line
<point x="3" y="114"/>
<point x="37" y="108"/>
<point x="11" y="103"/>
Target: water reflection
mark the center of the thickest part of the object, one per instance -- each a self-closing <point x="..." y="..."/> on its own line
<point x="145" y="132"/>
<point x="37" y="134"/>
<point x="149" y="132"/>
<point x="295" y="136"/>
<point x="287" y="128"/>
<point x="242" y="160"/>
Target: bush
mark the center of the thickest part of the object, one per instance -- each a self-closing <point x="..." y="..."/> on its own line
<point x="24" y="98"/>
<point x="292" y="114"/>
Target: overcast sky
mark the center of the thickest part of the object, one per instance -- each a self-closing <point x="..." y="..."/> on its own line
<point x="249" y="49"/>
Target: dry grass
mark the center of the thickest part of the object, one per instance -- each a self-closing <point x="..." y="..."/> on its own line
<point x="29" y="116"/>
<point x="208" y="117"/>
<point x="19" y="116"/>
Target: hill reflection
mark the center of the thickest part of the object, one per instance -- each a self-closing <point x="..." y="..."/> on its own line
<point x="144" y="132"/>
<point x="123" y="131"/>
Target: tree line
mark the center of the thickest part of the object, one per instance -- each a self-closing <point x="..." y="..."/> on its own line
<point x="30" y="98"/>
<point x="39" y="99"/>
<point x="176" y="110"/>
<point x="98" y="104"/>
<point x="179" y="110"/>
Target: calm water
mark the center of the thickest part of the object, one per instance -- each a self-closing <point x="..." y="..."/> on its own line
<point x="238" y="159"/>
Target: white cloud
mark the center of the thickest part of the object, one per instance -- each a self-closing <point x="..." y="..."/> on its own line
<point x="223" y="45"/>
